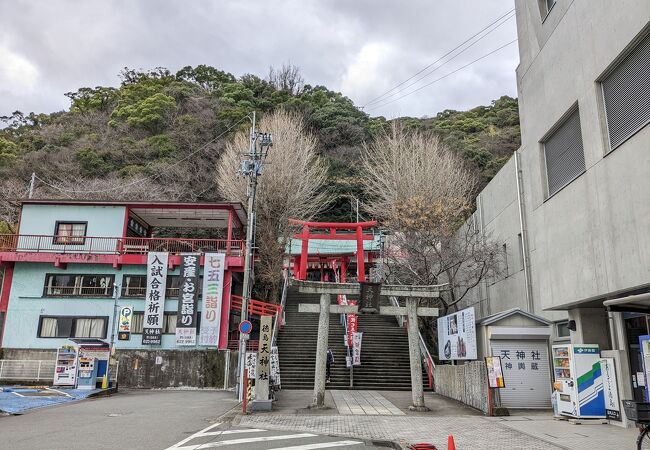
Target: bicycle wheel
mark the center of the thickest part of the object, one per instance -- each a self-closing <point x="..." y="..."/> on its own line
<point x="643" y="441"/>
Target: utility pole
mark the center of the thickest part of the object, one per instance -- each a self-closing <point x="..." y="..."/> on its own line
<point x="31" y="185"/>
<point x="251" y="168"/>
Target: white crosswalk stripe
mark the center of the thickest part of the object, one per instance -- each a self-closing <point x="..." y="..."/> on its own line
<point x="212" y="437"/>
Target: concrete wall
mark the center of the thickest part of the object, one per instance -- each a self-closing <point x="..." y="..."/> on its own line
<point x="466" y="383"/>
<point x="590" y="239"/>
<point x="27" y="303"/>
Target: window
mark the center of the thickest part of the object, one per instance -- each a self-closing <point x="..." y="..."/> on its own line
<point x="72" y="327"/>
<point x="136" y="286"/>
<point x="70" y="233"/>
<point x="562" y="329"/>
<point x="78" y="285"/>
<point x="169" y="323"/>
<point x="564" y="154"/>
<point x="520" y="240"/>
<point x="549" y="5"/>
<point x="626" y="93"/>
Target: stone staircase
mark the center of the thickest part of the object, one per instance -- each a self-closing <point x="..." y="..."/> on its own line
<point x="384" y="350"/>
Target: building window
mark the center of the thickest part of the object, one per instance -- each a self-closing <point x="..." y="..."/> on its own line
<point x="72" y="327"/>
<point x="169" y="323"/>
<point x="78" y="285"/>
<point x="136" y="286"/>
<point x="626" y="93"/>
<point x="70" y="233"/>
<point x="564" y="154"/>
<point x="562" y="329"/>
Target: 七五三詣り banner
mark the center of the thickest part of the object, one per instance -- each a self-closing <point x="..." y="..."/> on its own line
<point x="213" y="273"/>
<point x="154" y="303"/>
<point x="187" y="300"/>
<point x="457" y="335"/>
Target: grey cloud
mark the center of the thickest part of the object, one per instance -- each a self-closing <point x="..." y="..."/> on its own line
<point x="74" y="43"/>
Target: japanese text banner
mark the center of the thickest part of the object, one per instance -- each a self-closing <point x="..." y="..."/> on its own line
<point x="212" y="298"/>
<point x="154" y="303"/>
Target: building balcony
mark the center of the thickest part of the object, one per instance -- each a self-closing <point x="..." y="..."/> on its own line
<point x="116" y="250"/>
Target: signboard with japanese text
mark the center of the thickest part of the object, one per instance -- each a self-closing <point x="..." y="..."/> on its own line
<point x="263" y="370"/>
<point x="124" y="324"/>
<point x="275" y="367"/>
<point x="154" y="302"/>
<point x="526" y="371"/>
<point x="353" y="325"/>
<point x="457" y="336"/>
<point x="612" y="404"/>
<point x="369" y="297"/>
<point x="187" y="300"/>
<point x="494" y="372"/>
<point x="250" y="362"/>
<point x="356" y="348"/>
<point x="212" y="302"/>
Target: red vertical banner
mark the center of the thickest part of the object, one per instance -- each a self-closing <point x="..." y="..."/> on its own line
<point x="352" y="323"/>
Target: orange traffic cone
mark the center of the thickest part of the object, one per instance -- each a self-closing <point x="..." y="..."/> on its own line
<point x="450" y="443"/>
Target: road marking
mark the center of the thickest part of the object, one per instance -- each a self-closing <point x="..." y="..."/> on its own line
<point x="246" y="441"/>
<point x="243" y="430"/>
<point x="320" y="445"/>
<point x="16" y="393"/>
<point x="197" y="434"/>
<point x="60" y="392"/>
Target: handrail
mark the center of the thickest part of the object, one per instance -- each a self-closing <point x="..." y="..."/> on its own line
<point x="279" y="317"/>
<point x="256" y="307"/>
<point x="115" y="245"/>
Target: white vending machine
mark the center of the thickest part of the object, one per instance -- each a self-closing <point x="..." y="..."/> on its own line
<point x="579" y="381"/>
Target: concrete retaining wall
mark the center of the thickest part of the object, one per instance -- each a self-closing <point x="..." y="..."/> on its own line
<point x="159" y="368"/>
<point x="466" y="383"/>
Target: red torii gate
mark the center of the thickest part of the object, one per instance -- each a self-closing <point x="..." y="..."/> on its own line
<point x="332" y="227"/>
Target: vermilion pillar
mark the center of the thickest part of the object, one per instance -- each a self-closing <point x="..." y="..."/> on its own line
<point x="304" y="256"/>
<point x="361" y="269"/>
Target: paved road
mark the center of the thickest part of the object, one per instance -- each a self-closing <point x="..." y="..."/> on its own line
<point x="221" y="435"/>
<point x="133" y="419"/>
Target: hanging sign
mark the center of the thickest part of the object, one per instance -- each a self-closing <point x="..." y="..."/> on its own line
<point x="457" y="335"/>
<point x="124" y="324"/>
<point x="275" y="367"/>
<point x="213" y="272"/>
<point x="356" y="348"/>
<point x="251" y="364"/>
<point x="187" y="300"/>
<point x="353" y="324"/>
<point x="610" y="389"/>
<point x="154" y="302"/>
<point x="369" y="297"/>
<point x="494" y="372"/>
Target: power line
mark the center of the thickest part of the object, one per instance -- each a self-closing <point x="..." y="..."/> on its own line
<point x="439" y="59"/>
<point x="416" y="81"/>
<point x="151" y="177"/>
<point x="444" y="76"/>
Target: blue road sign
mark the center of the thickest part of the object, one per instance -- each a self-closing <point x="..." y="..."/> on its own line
<point x="245" y="327"/>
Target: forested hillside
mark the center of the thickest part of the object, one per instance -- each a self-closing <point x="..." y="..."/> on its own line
<point x="160" y="133"/>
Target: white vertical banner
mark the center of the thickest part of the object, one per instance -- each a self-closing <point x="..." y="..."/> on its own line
<point x="154" y="302"/>
<point x="610" y="389"/>
<point x="356" y="348"/>
<point x="212" y="298"/>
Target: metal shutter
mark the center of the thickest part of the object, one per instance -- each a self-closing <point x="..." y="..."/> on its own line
<point x="525" y="388"/>
<point x="627" y="95"/>
<point x="565" y="157"/>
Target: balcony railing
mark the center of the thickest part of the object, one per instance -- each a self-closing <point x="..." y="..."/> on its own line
<point x="117" y="245"/>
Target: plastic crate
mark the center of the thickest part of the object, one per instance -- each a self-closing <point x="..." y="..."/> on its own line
<point x="637" y="411"/>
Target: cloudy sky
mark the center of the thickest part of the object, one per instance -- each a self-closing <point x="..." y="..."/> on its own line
<point x="362" y="48"/>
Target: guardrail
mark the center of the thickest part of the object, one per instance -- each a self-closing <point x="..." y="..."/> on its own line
<point x="115" y="245"/>
<point x="256" y="307"/>
<point x="37" y="370"/>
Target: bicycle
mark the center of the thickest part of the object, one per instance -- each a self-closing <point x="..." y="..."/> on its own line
<point x="640" y="413"/>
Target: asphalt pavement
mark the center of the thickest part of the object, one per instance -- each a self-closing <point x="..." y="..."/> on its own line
<point x="132" y="419"/>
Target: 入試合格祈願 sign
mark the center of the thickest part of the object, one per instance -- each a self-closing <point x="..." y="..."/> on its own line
<point x="187" y="300"/>
<point x="213" y="273"/>
<point x="154" y="302"/>
<point x="457" y="336"/>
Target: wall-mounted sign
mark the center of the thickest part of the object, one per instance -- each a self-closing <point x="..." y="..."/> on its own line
<point x="213" y="272"/>
<point x="457" y="335"/>
<point x="356" y="348"/>
<point x="187" y="300"/>
<point x="124" y="324"/>
<point x="494" y="372"/>
<point x="154" y="302"/>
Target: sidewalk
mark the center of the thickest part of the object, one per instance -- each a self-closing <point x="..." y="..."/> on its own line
<point x="471" y="430"/>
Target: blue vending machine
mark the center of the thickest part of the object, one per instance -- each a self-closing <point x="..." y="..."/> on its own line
<point x="87" y="373"/>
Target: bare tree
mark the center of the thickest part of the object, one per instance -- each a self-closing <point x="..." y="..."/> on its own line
<point x="287" y="78"/>
<point x="423" y="194"/>
<point x="292" y="186"/>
